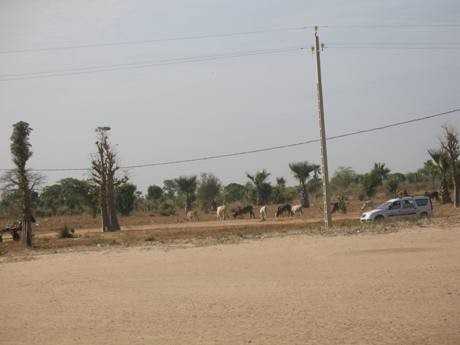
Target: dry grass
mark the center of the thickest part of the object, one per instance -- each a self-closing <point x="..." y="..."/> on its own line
<point x="176" y="231"/>
<point x="54" y="224"/>
<point x="203" y="236"/>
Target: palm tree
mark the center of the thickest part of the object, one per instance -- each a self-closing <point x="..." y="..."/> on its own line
<point x="302" y="171"/>
<point x="381" y="171"/>
<point x="441" y="161"/>
<point x="263" y="188"/>
<point x="431" y="169"/>
<point x="279" y="191"/>
<point x="281" y="181"/>
<point x="186" y="185"/>
<point x="451" y="148"/>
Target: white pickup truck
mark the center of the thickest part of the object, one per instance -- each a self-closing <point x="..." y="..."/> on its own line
<point x="418" y="206"/>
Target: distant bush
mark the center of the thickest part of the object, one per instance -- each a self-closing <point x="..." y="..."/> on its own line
<point x="392" y="185"/>
<point x="67" y="232"/>
<point x="167" y="209"/>
<point x="342" y="203"/>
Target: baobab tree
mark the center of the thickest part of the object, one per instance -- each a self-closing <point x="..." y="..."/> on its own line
<point x="104" y="173"/>
<point x="20" y="179"/>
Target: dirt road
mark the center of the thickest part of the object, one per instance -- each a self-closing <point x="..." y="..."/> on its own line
<point x="399" y="288"/>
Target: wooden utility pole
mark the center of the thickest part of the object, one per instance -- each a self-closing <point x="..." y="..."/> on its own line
<point x="322" y="129"/>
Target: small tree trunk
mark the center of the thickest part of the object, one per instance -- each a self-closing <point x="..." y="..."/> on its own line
<point x="105" y="218"/>
<point x="304" y="197"/>
<point x="456" y="191"/>
<point x="27" y="233"/>
<point x="103" y="204"/>
<point x="454" y="182"/>
<point x="444" y="191"/>
<point x="26" y="210"/>
<point x="114" y="225"/>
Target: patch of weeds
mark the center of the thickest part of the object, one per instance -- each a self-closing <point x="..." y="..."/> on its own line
<point x="150" y="238"/>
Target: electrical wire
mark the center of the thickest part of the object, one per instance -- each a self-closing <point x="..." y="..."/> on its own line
<point x="146" y="64"/>
<point x="264" y="149"/>
<point x="391" y="26"/>
<point x="214" y="57"/>
<point x="223" y="35"/>
<point x="157" y="40"/>
<point x="393" y="47"/>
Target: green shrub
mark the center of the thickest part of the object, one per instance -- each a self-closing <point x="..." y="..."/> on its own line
<point x="167" y="209"/>
<point x="342" y="203"/>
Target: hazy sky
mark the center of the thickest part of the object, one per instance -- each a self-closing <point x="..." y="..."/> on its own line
<point x="189" y="110"/>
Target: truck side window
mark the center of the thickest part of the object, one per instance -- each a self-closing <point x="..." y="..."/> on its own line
<point x="407" y="204"/>
<point x="396" y="205"/>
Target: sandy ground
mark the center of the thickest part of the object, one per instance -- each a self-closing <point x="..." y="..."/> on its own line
<point x="399" y="288"/>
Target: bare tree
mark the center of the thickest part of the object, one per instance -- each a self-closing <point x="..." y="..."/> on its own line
<point x="450" y="145"/>
<point x="104" y="173"/>
<point x="20" y="179"/>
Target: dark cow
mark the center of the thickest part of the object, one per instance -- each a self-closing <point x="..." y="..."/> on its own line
<point x="334" y="207"/>
<point x="14" y="230"/>
<point x="433" y="195"/>
<point x="286" y="208"/>
<point x="241" y="211"/>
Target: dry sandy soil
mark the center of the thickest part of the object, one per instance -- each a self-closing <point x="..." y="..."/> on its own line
<point x="397" y="288"/>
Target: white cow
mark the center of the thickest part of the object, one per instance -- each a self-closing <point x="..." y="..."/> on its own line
<point x="367" y="204"/>
<point x="221" y="212"/>
<point x="297" y="209"/>
<point x="263" y="213"/>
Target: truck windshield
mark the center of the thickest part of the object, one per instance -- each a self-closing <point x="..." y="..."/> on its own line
<point x="384" y="206"/>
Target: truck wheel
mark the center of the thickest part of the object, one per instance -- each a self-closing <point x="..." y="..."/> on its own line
<point x="379" y="218"/>
<point x="424" y="215"/>
<point x="16" y="236"/>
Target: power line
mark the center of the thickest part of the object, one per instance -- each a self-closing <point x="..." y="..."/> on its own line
<point x="155" y="62"/>
<point x="223" y="35"/>
<point x="399" y="43"/>
<point x="393" y="47"/>
<point x="265" y="149"/>
<point x="392" y="26"/>
<point x="214" y="57"/>
<point x="156" y="40"/>
<point x="146" y="64"/>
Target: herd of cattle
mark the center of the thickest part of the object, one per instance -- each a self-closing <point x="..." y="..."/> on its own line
<point x="285" y="209"/>
<point x="239" y="211"/>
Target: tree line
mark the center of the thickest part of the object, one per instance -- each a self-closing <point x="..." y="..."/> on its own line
<point x="107" y="192"/>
